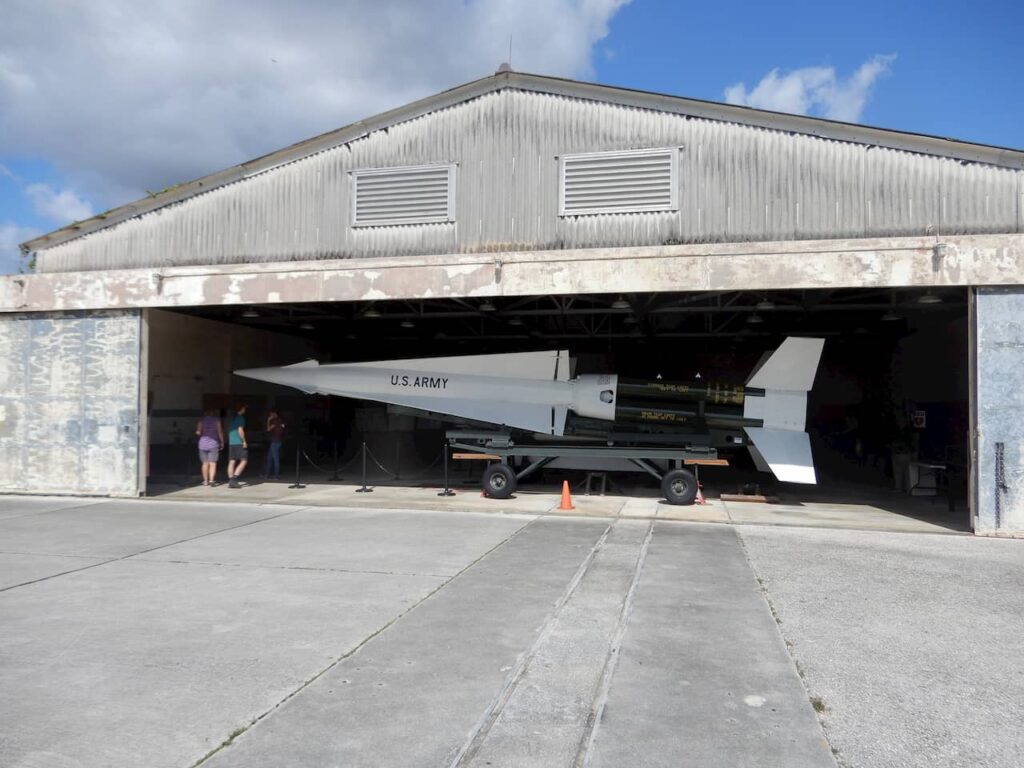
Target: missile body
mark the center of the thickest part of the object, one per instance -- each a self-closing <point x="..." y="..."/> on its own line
<point x="533" y="391"/>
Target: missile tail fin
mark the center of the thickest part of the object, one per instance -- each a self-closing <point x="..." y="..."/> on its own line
<point x="786" y="376"/>
<point x="791" y="367"/>
<point x="786" y="453"/>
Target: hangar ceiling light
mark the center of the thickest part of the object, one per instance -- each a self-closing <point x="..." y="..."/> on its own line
<point x="487" y="307"/>
<point x="250" y="313"/>
<point x="890" y="316"/>
<point x="765" y="304"/>
<point x="516" y="321"/>
<point x="306" y="327"/>
<point x="755" y="318"/>
<point x="929" y="298"/>
<point x="408" y="324"/>
<point x="371" y="312"/>
<point x="620" y="303"/>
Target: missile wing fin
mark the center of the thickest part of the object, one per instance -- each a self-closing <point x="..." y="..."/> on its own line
<point x="528" y="416"/>
<point x="787" y="453"/>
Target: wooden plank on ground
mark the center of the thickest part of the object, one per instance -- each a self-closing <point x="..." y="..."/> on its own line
<point x="470" y="456"/>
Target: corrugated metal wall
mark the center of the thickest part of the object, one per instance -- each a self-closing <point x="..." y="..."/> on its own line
<point x="736" y="183"/>
<point x="69" y="402"/>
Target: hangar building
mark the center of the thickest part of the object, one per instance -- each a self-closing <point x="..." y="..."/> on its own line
<point x="649" y="234"/>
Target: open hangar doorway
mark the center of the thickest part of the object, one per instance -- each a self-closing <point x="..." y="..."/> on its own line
<point x="189" y="364"/>
<point x="888" y="414"/>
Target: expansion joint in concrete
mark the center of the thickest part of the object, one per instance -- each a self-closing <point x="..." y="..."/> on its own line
<point x="355" y="649"/>
<point x="611" y="661"/>
<point x="479" y="734"/>
<point x="816" y="702"/>
<point x="152" y="549"/>
<point x="306" y="568"/>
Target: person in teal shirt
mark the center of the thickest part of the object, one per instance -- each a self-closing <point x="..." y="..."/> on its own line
<point x="238" y="447"/>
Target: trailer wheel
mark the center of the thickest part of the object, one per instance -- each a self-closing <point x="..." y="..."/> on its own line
<point x="499" y="481"/>
<point x="679" y="486"/>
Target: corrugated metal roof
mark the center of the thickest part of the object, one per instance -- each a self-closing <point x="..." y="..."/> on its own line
<point x="795" y="124"/>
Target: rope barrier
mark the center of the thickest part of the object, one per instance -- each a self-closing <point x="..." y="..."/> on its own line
<point x="362" y="454"/>
<point x="383" y="469"/>
<point x="317" y="466"/>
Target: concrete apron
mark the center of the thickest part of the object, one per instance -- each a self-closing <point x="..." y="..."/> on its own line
<point x="862" y="516"/>
<point x="577" y="643"/>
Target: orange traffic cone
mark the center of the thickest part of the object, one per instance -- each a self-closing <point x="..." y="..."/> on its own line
<point x="700" y="495"/>
<point x="566" y="500"/>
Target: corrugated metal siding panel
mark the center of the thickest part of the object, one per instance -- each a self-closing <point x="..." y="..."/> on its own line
<point x="69" y="402"/>
<point x="735" y="183"/>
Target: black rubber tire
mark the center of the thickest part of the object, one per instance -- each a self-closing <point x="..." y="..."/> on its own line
<point x="499" y="481"/>
<point x="679" y="486"/>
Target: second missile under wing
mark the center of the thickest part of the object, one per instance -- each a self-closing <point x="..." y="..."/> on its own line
<point x="534" y="392"/>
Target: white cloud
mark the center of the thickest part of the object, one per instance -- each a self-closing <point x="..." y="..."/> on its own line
<point x="813" y="90"/>
<point x="59" y="206"/>
<point x="10" y="236"/>
<point x="135" y="96"/>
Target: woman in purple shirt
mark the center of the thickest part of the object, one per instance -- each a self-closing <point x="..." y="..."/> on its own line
<point x="211" y="440"/>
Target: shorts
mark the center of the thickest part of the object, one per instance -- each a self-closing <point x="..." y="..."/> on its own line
<point x="238" y="453"/>
<point x="209" y="457"/>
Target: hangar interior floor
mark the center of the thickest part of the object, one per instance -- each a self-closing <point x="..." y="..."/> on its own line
<point x="850" y="506"/>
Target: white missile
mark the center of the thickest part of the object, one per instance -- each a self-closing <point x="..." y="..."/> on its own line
<point x="534" y="392"/>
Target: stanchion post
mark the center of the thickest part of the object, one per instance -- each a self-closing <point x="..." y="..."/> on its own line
<point x="447" y="491"/>
<point x="398" y="455"/>
<point x="364" y="489"/>
<point x="298" y="451"/>
<point x="337" y="470"/>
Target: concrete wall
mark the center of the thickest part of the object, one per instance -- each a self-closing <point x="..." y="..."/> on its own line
<point x="69" y="402"/>
<point x="829" y="264"/>
<point x="999" y="328"/>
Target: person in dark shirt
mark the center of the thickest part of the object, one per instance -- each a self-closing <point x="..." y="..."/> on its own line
<point x="275" y="434"/>
<point x="238" y="447"/>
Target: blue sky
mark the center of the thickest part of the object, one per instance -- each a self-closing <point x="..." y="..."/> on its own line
<point x="102" y="101"/>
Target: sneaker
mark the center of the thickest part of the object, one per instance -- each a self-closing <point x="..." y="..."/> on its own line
<point x="233" y="482"/>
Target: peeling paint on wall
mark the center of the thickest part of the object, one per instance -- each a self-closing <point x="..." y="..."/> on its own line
<point x="69" y="402"/>
<point x="873" y="262"/>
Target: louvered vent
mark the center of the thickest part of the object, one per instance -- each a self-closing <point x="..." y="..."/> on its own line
<point x="618" y="182"/>
<point x="385" y="197"/>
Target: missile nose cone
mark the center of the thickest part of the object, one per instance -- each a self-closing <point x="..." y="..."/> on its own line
<point x="299" y="375"/>
<point x="263" y="374"/>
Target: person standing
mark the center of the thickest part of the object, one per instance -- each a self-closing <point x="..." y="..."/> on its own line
<point x="210" y="432"/>
<point x="238" y="447"/>
<point x="275" y="433"/>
